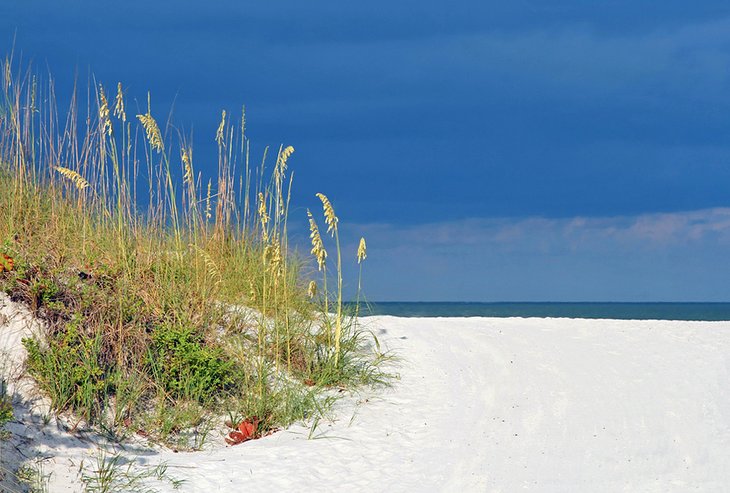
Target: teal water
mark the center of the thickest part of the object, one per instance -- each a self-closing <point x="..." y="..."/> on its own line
<point x="621" y="311"/>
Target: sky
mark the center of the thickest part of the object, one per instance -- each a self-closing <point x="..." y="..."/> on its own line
<point x="487" y="150"/>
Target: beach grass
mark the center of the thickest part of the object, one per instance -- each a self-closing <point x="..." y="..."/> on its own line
<point x="169" y="298"/>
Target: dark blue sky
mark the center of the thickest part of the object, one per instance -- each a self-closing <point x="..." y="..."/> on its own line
<point x="567" y="129"/>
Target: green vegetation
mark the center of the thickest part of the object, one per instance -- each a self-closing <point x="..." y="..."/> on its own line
<point x="168" y="303"/>
<point x="32" y="476"/>
<point x="112" y="473"/>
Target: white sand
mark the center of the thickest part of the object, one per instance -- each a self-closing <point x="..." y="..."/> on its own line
<point x="487" y="404"/>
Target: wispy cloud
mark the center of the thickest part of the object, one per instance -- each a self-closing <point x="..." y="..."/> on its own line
<point x="645" y="231"/>
<point x="660" y="256"/>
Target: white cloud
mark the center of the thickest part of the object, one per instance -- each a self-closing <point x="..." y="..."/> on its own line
<point x="645" y="231"/>
<point x="680" y="256"/>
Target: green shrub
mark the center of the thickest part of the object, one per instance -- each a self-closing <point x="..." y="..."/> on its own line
<point x="6" y="410"/>
<point x="187" y="368"/>
<point x="68" y="366"/>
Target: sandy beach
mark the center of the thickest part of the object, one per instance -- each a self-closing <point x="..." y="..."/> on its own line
<point x="482" y="404"/>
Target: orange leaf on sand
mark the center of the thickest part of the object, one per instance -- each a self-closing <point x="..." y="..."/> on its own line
<point x="247" y="429"/>
<point x="234" y="438"/>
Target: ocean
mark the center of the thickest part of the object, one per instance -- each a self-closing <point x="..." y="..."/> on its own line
<point x="621" y="311"/>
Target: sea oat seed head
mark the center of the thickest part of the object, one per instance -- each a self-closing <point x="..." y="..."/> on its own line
<point x="188" y="175"/>
<point x="153" y="131"/>
<point x="263" y="217"/>
<point x="312" y="289"/>
<point x="272" y="253"/>
<point x="329" y="214"/>
<point x="104" y="120"/>
<point x="362" y="252"/>
<point x="317" y="246"/>
<point x="119" y="104"/>
<point x="79" y="182"/>
<point x="284" y="157"/>
<point x="221" y="128"/>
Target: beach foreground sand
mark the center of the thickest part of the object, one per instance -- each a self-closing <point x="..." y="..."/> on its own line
<point x="484" y="404"/>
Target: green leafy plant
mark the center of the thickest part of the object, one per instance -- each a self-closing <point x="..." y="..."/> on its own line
<point x="185" y="367"/>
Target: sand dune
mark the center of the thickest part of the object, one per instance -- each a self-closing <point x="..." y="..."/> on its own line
<point x="487" y="404"/>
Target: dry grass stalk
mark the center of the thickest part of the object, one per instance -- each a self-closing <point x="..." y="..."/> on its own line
<point x="208" y="209"/>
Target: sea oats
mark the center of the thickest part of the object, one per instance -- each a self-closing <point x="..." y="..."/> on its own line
<point x="329" y="214"/>
<point x="188" y="174"/>
<point x="104" y="120"/>
<point x="263" y="216"/>
<point x="153" y="131"/>
<point x="221" y="128"/>
<point x="119" y="104"/>
<point x="317" y="246"/>
<point x="362" y="253"/>
<point x="312" y="289"/>
<point x="212" y="271"/>
<point x="272" y="253"/>
<point x="283" y="158"/>
<point x="79" y="182"/>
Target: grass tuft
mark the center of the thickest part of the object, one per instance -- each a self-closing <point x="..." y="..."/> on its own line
<point x="167" y="304"/>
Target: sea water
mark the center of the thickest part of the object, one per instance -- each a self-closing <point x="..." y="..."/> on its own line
<point x="622" y="311"/>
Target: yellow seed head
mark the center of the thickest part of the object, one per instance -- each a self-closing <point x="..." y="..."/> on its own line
<point x="263" y="216"/>
<point x="272" y="253"/>
<point x="221" y="128"/>
<point x="312" y="289"/>
<point x="317" y="246"/>
<point x="119" y="104"/>
<point x="79" y="182"/>
<point x="104" y="120"/>
<point x="362" y="252"/>
<point x="284" y="157"/>
<point x="153" y="131"/>
<point x="329" y="214"/>
<point x="188" y="175"/>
